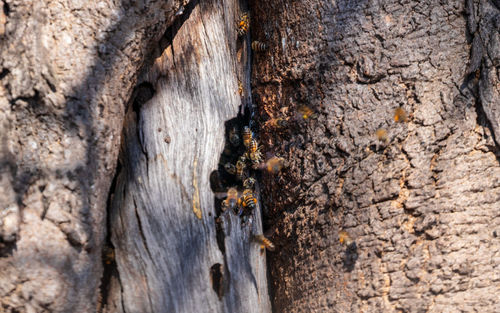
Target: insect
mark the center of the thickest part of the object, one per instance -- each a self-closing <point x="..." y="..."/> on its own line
<point x="381" y="134"/>
<point x="345" y="238"/>
<point x="274" y="164"/>
<point x="247" y="136"/>
<point x="240" y="168"/>
<point x="255" y="158"/>
<point x="400" y="115"/>
<point x="230" y="168"/>
<point x="249" y="183"/>
<point x="247" y="200"/>
<point x="231" y="200"/>
<point x="306" y="112"/>
<point x="108" y="254"/>
<point x="243" y="24"/>
<point x="279" y="122"/>
<point x="240" y="88"/>
<point x="264" y="242"/>
<point x="258" y="46"/>
<point x="234" y="139"/>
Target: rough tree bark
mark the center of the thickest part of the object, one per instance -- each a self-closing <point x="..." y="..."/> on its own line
<point x="67" y="70"/>
<point x="174" y="252"/>
<point x="423" y="209"/>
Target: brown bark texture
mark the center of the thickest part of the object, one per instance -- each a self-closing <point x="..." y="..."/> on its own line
<point x="67" y="70"/>
<point x="422" y="205"/>
<point x="175" y="250"/>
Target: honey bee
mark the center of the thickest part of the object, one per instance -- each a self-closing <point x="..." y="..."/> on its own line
<point x="108" y="254"/>
<point x="234" y="139"/>
<point x="240" y="88"/>
<point x="255" y="158"/>
<point x="231" y="200"/>
<point x="240" y="168"/>
<point x="264" y="242"/>
<point x="243" y="24"/>
<point x="306" y="112"/>
<point x="258" y="46"/>
<point x="400" y="115"/>
<point x="345" y="238"/>
<point x="247" y="136"/>
<point x="274" y="164"/>
<point x="230" y="168"/>
<point x="247" y="201"/>
<point x="253" y="146"/>
<point x="279" y="122"/>
<point x="381" y="134"/>
<point x="249" y="183"/>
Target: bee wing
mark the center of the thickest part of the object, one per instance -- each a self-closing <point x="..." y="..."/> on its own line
<point x="220" y="195"/>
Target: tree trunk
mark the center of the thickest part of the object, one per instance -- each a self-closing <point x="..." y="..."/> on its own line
<point x="68" y="69"/>
<point x="175" y="251"/>
<point x="422" y="205"/>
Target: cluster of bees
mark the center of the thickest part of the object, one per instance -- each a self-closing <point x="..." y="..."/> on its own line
<point x="243" y="157"/>
<point x="243" y="27"/>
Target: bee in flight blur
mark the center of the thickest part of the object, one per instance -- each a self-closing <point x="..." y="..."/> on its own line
<point x="264" y="242"/>
<point x="258" y="46"/>
<point x="274" y="164"/>
<point x="382" y="136"/>
<point x="400" y="115"/>
<point x="345" y="238"/>
<point x="243" y="24"/>
<point x="306" y="112"/>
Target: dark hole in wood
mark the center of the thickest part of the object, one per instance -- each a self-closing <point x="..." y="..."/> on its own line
<point x="217" y="276"/>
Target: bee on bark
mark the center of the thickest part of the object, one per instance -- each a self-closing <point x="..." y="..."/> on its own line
<point x="243" y="24"/>
<point x="247" y="201"/>
<point x="231" y="200"/>
<point x="240" y="169"/>
<point x="230" y="168"/>
<point x="108" y="254"/>
<point x="234" y="139"/>
<point x="255" y="158"/>
<point x="249" y="183"/>
<point x="258" y="46"/>
<point x="247" y="136"/>
<point x="240" y="88"/>
<point x="400" y="115"/>
<point x="264" y="242"/>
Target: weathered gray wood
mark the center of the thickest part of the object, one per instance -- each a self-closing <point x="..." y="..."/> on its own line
<point x="67" y="70"/>
<point x="424" y="208"/>
<point x="163" y="215"/>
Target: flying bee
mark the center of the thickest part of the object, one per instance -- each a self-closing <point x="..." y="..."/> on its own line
<point x="231" y="200"/>
<point x="258" y="46"/>
<point x="264" y="242"/>
<point x="306" y="112"/>
<point x="230" y="168"/>
<point x="345" y="238"/>
<point x="234" y="139"/>
<point x="243" y="24"/>
<point x="274" y="164"/>
<point x="400" y="115"/>
<point x="240" y="169"/>
<point x="249" y="183"/>
<point x="247" y="201"/>
<point x="247" y="136"/>
<point x="382" y="136"/>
